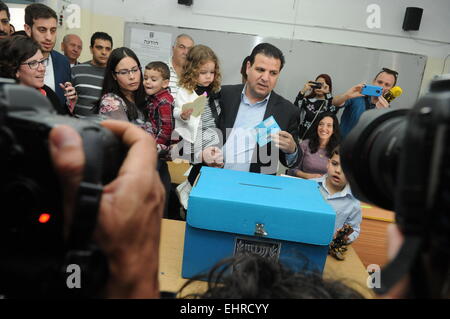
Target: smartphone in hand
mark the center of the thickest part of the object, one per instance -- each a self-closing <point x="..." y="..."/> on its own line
<point x="372" y="90"/>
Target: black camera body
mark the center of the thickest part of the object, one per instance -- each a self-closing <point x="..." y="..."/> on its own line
<point x="33" y="248"/>
<point x="315" y="85"/>
<point x="399" y="160"/>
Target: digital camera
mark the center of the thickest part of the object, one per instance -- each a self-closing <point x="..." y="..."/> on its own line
<point x="33" y="249"/>
<point x="315" y="85"/>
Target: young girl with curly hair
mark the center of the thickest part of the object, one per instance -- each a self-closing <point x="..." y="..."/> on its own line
<point x="201" y="76"/>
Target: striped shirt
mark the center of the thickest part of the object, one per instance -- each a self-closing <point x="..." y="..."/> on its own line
<point x="208" y="134"/>
<point x="87" y="79"/>
<point x="173" y="82"/>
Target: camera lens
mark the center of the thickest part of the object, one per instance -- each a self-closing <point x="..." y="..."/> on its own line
<point x="370" y="155"/>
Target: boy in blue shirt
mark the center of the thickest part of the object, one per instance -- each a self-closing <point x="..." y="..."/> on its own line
<point x="336" y="191"/>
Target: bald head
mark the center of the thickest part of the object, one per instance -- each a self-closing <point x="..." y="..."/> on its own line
<point x="72" y="46"/>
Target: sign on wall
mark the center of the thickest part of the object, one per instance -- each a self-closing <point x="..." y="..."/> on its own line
<point x="151" y="45"/>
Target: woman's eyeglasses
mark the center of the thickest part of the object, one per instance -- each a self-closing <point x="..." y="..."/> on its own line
<point x="125" y="72"/>
<point x="35" y="64"/>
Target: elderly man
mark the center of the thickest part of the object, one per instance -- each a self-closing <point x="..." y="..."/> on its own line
<point x="183" y="43"/>
<point x="72" y="47"/>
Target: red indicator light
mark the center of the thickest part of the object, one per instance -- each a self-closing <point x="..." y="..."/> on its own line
<point x="44" y="218"/>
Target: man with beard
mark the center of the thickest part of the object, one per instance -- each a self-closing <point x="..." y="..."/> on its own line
<point x="41" y="25"/>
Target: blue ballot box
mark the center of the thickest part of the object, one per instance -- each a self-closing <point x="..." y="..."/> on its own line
<point x="232" y="213"/>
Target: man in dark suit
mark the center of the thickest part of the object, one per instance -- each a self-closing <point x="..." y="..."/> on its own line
<point x="245" y="106"/>
<point x="41" y="25"/>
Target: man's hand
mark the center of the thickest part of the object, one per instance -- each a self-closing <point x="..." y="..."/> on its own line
<point x="381" y="103"/>
<point x="284" y="141"/>
<point x="351" y="93"/>
<point x="355" y="91"/>
<point x="131" y="206"/>
<point x="213" y="157"/>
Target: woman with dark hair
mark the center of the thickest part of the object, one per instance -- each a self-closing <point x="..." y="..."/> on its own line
<point x="124" y="98"/>
<point x="21" y="59"/>
<point x="317" y="149"/>
<point x="254" y="277"/>
<point x="313" y="99"/>
<point x="123" y="93"/>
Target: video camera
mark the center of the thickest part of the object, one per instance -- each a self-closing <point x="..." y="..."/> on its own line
<point x="34" y="251"/>
<point x="400" y="160"/>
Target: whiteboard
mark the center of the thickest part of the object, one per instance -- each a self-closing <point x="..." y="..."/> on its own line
<point x="347" y="65"/>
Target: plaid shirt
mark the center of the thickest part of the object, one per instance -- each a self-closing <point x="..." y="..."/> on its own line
<point x="159" y="111"/>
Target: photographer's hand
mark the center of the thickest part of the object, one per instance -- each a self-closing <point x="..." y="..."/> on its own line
<point x="324" y="90"/>
<point x="306" y="88"/>
<point x="131" y="207"/>
<point x="354" y="91"/>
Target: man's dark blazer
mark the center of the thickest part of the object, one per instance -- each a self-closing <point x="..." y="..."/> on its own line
<point x="62" y="73"/>
<point x="284" y="112"/>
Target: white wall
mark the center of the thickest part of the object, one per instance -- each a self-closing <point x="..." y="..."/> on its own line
<point x="331" y="21"/>
<point x="17" y="12"/>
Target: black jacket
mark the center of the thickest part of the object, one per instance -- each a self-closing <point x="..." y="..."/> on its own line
<point x="55" y="101"/>
<point x="284" y="112"/>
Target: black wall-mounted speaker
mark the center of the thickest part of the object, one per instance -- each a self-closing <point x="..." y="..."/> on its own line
<point x="413" y="16"/>
<point x="185" y="2"/>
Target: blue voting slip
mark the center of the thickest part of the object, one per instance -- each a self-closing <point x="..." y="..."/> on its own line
<point x="265" y="129"/>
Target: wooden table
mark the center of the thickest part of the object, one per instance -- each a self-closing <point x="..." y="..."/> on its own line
<point x="351" y="270"/>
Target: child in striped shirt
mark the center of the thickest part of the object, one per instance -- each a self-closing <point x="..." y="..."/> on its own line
<point x="201" y="76"/>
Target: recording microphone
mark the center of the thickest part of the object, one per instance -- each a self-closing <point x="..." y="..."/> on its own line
<point x="394" y="92"/>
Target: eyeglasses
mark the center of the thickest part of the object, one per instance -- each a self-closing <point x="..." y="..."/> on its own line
<point x="35" y="64"/>
<point x="126" y="72"/>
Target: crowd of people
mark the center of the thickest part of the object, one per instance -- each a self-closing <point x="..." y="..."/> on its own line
<point x="159" y="100"/>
